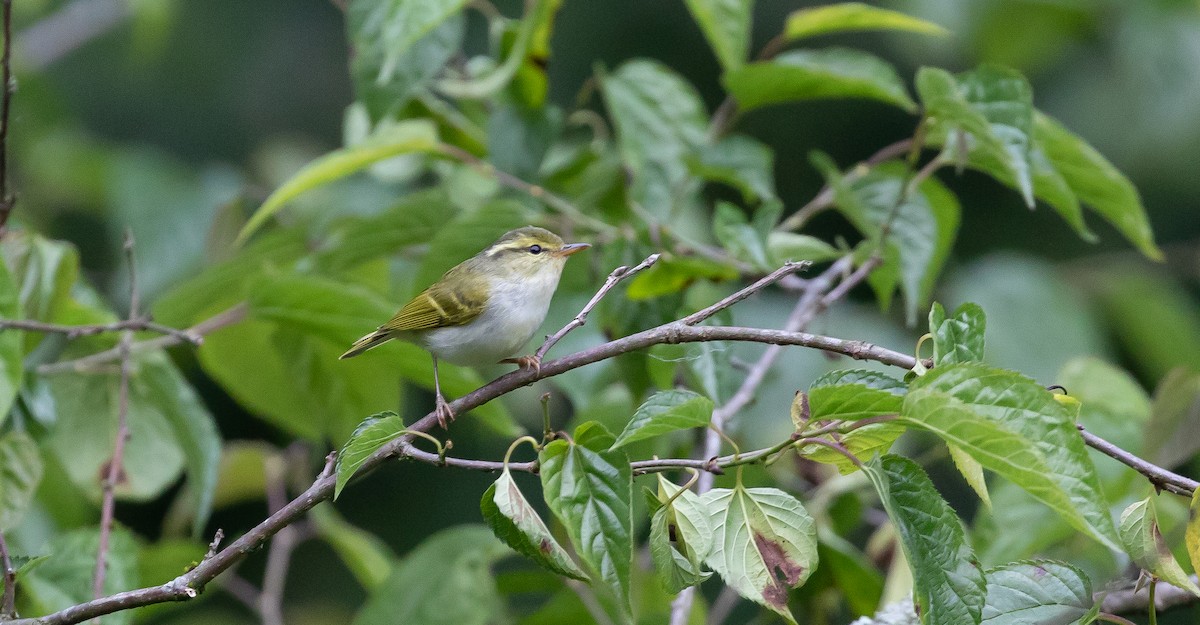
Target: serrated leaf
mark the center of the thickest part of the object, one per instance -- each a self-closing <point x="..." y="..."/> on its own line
<point x="948" y="582"/>
<point x="20" y="473"/>
<point x="959" y="338"/>
<point x="726" y="25"/>
<point x="1023" y="408"/>
<point x="740" y="162"/>
<point x="408" y="137"/>
<point x="374" y="432"/>
<point x="660" y="120"/>
<point x="1146" y="547"/>
<point x="445" y="580"/>
<point x="831" y="73"/>
<point x="590" y="490"/>
<point x="1192" y="533"/>
<point x="398" y="25"/>
<point x="519" y="526"/>
<point x="851" y="395"/>
<point x="1096" y="182"/>
<point x="922" y="231"/>
<point x="1045" y="592"/>
<point x="853" y="16"/>
<point x="1005" y="99"/>
<point x="764" y="543"/>
<point x="666" y="411"/>
<point x="675" y="570"/>
<point x="862" y="443"/>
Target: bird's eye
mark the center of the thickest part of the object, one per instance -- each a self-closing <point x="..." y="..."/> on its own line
<point x="535" y="249"/>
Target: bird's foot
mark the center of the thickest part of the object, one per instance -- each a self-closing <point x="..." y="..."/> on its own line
<point x="444" y="414"/>
<point x="531" y="362"/>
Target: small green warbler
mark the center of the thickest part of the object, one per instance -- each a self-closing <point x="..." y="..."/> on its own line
<point x="485" y="308"/>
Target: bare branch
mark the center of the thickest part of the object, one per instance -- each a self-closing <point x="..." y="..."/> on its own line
<point x="69" y="28"/>
<point x="220" y="320"/>
<point x="762" y="283"/>
<point x="617" y="275"/>
<point x="116" y="472"/>
<point x="1130" y="600"/>
<point x="29" y="325"/>
<point x="1161" y="478"/>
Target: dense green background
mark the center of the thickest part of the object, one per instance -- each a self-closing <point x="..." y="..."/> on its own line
<point x="186" y="106"/>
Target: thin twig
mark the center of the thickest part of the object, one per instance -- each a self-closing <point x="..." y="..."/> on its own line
<point x="762" y="283"/>
<point x="1137" y="599"/>
<point x="115" y="465"/>
<point x="7" y="199"/>
<point x="617" y="275"/>
<point x="29" y="325"/>
<point x="824" y="198"/>
<point x="1158" y="476"/>
<point x="270" y="600"/>
<point x="220" y="320"/>
<point x="8" y="608"/>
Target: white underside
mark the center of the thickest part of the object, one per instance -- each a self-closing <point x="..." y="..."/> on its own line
<point x="515" y="310"/>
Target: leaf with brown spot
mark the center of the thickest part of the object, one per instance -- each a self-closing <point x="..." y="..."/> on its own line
<point x="515" y="522"/>
<point x="764" y="543"/>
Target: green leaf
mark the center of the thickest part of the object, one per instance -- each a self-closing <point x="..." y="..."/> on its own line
<point x="1146" y="547"/>
<point x="394" y="58"/>
<point x="1003" y="96"/>
<point x="397" y="25"/>
<point x="45" y="271"/>
<point x="1045" y="592"/>
<point x="678" y="560"/>
<point x="853" y="572"/>
<point x="1152" y="315"/>
<point x="666" y="411"/>
<point x="735" y="233"/>
<point x="446" y="580"/>
<point x="853" y="16"/>
<point x="374" y="432"/>
<point x="856" y="394"/>
<point x="408" y="137"/>
<point x="672" y="274"/>
<point x="64" y="579"/>
<point x="1096" y="182"/>
<point x="194" y="430"/>
<point x="949" y="583"/>
<point x="972" y="472"/>
<point x="590" y="489"/>
<point x="923" y="225"/>
<point x="740" y="162"/>
<point x="1174" y="417"/>
<point x="413" y="219"/>
<point x="726" y="25"/>
<point x="959" y="338"/>
<point x="11" y="347"/>
<point x="789" y="246"/>
<point x="660" y="120"/>
<point x="1039" y="426"/>
<point x="831" y="73"/>
<point x="515" y="522"/>
<point x="20" y="473"/>
<point x="764" y="543"/>
<point x="364" y="553"/>
<point x="1192" y="531"/>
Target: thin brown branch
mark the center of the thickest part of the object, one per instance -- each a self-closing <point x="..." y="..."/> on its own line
<point x="7" y="199"/>
<point x="1161" y="478"/>
<point x="8" y="607"/>
<point x="617" y="275"/>
<point x="762" y="283"/>
<point x="824" y="198"/>
<point x="29" y="325"/>
<point x="116" y="472"/>
<point x="220" y="320"/>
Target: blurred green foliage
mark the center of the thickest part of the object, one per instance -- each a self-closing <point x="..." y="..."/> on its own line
<point x="304" y="170"/>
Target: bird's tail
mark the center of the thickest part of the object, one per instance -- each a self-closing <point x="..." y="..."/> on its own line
<point x="367" y="342"/>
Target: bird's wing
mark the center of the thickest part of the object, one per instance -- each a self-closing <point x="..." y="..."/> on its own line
<point x="440" y="306"/>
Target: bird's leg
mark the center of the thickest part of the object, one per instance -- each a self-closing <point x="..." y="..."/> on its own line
<point x="444" y="414"/>
<point x="525" y="362"/>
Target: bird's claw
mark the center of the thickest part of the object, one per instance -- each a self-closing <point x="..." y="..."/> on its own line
<point x="444" y="414"/>
<point x="531" y="362"/>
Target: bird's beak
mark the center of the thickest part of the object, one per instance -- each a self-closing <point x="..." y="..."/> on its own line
<point x="571" y="248"/>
